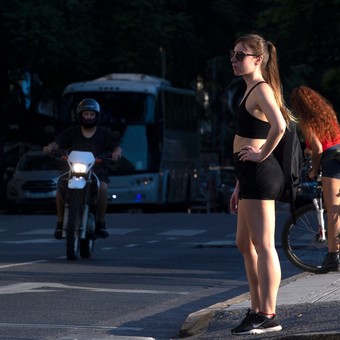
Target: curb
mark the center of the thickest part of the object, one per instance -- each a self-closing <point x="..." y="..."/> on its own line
<point x="198" y="321"/>
<point x="312" y="336"/>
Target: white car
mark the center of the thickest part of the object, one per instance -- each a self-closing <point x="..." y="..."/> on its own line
<point x="34" y="181"/>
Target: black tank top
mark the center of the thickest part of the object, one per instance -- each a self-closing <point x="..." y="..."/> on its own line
<point x="249" y="126"/>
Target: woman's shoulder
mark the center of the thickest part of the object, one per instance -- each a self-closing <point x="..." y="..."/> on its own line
<point x="263" y="92"/>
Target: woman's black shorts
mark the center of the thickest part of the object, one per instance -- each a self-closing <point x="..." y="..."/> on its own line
<point x="262" y="180"/>
<point x="330" y="162"/>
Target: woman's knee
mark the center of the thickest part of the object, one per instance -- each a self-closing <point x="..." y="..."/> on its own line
<point x="244" y="246"/>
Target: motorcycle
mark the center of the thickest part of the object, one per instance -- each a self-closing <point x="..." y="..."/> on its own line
<point x="79" y="188"/>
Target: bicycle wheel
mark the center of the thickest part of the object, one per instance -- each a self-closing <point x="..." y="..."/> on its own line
<point x="301" y="241"/>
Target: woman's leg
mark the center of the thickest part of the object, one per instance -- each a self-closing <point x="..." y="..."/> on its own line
<point x="249" y="253"/>
<point x="331" y="194"/>
<point x="60" y="207"/>
<point x="259" y="217"/>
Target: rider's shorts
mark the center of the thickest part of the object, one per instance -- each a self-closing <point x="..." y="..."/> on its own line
<point x="263" y="181"/>
<point x="329" y="163"/>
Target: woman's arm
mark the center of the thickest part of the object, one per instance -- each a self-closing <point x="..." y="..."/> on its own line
<point x="267" y="103"/>
<point x="315" y="146"/>
<point x="265" y="100"/>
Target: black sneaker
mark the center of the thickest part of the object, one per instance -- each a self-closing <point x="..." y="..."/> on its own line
<point x="259" y="324"/>
<point x="58" y="233"/>
<point x="247" y="320"/>
<point x="100" y="231"/>
<point x="331" y="263"/>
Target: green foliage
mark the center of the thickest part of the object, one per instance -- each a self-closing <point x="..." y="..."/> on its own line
<point x="307" y="33"/>
<point x="70" y="40"/>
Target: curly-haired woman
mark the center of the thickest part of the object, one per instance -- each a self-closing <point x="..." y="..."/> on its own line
<point x="320" y="127"/>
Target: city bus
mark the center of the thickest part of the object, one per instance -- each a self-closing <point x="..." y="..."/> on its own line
<point x="159" y="137"/>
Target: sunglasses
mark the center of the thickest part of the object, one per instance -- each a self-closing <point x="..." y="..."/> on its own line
<point x="239" y="55"/>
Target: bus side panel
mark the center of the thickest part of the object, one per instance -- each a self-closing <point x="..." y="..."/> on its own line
<point x="178" y="151"/>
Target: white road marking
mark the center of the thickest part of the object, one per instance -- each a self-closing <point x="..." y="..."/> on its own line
<point x="43" y="287"/>
<point x="42" y="325"/>
<point x="121" y="231"/>
<point x="109" y="337"/>
<point x="37" y="240"/>
<point x="49" y="231"/>
<point x="182" y="232"/>
<point x="21" y="264"/>
<point x="113" y="231"/>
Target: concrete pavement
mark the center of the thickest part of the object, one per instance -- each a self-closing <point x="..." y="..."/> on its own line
<point x="308" y="306"/>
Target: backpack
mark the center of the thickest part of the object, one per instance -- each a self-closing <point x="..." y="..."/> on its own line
<point x="290" y="157"/>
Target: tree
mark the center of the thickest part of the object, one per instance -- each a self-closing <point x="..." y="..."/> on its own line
<point x="308" y="35"/>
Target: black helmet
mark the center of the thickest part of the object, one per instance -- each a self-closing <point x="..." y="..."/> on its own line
<point x="88" y="104"/>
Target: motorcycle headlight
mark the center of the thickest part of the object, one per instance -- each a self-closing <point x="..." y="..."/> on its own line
<point x="79" y="168"/>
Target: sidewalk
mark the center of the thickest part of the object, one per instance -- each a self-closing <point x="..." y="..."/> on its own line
<point x="308" y="306"/>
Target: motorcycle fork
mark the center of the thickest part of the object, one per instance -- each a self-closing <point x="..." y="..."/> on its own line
<point x="86" y="212"/>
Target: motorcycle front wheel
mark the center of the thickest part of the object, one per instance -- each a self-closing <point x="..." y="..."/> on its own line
<point x="73" y="225"/>
<point x="86" y="248"/>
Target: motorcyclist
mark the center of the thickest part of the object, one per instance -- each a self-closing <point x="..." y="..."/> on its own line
<point x="102" y="140"/>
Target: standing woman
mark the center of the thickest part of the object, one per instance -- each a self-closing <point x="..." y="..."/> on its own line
<point x="320" y="127"/>
<point x="262" y="120"/>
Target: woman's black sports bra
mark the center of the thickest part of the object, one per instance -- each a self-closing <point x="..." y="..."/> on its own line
<point x="249" y="126"/>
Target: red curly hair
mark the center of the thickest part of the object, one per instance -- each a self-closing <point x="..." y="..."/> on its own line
<point x="315" y="112"/>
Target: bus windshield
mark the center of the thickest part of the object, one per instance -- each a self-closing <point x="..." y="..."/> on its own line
<point x="117" y="108"/>
<point x="133" y="114"/>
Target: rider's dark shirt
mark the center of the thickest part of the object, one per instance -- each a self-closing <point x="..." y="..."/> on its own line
<point x="249" y="126"/>
<point x="102" y="141"/>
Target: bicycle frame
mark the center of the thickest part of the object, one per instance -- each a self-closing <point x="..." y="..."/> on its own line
<point x="304" y="240"/>
<point x="317" y="201"/>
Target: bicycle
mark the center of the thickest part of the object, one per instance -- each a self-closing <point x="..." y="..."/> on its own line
<point x="305" y="241"/>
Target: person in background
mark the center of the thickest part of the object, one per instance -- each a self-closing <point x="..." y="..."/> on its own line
<point x="320" y="127"/>
<point x="262" y="118"/>
<point x="102" y="140"/>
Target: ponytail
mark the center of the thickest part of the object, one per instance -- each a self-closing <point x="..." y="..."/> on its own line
<point x="269" y="67"/>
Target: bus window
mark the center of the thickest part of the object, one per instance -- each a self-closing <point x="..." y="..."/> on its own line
<point x="134" y="144"/>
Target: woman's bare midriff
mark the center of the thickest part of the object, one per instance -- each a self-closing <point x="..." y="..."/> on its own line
<point x="239" y="142"/>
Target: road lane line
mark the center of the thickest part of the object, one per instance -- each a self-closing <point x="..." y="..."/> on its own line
<point x="21" y="264"/>
<point x="43" y="287"/>
<point x="47" y="325"/>
<point x="182" y="232"/>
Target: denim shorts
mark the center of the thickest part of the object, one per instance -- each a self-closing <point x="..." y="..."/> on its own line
<point x="262" y="180"/>
<point x="329" y="164"/>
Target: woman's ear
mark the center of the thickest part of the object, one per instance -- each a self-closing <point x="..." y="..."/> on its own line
<point x="258" y="60"/>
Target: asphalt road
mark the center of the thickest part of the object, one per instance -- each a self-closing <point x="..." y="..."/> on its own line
<point x="142" y="282"/>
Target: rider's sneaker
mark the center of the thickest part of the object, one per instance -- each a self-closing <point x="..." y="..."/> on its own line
<point x="258" y="324"/>
<point x="58" y="233"/>
<point x="247" y="319"/>
<point x="100" y="231"/>
<point x="331" y="263"/>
